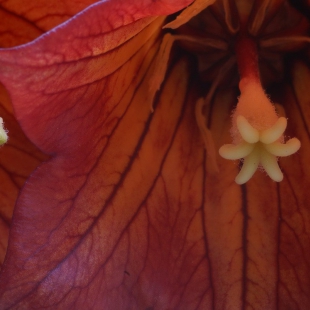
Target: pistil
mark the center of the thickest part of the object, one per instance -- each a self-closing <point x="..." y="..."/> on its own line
<point x="257" y="131"/>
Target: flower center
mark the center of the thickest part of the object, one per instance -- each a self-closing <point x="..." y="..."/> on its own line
<point x="251" y="37"/>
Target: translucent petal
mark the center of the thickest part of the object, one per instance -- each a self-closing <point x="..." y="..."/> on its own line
<point x="275" y="132"/>
<point x="270" y="164"/>
<point x="231" y="151"/>
<point x="189" y="12"/>
<point x="280" y="149"/>
<point x="247" y="131"/>
<point x="160" y="67"/>
<point x="249" y="167"/>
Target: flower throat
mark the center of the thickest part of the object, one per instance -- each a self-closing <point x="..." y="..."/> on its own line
<point x="245" y="37"/>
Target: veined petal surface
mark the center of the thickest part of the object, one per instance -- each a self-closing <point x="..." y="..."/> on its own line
<point x="128" y="213"/>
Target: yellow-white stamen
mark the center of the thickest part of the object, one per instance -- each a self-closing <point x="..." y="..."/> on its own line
<point x="3" y="133"/>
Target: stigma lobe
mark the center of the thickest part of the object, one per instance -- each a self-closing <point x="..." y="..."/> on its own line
<point x="257" y="131"/>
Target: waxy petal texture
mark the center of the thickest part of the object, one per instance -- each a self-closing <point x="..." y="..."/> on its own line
<point x="85" y="175"/>
<point x="128" y="213"/>
<point x="23" y="21"/>
<point x="18" y="158"/>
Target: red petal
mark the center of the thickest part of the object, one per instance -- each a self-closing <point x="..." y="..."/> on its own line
<point x="18" y="158"/>
<point x="23" y="21"/>
<point x="75" y="217"/>
<point x="126" y="215"/>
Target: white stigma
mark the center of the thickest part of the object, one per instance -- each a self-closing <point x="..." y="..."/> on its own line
<point x="3" y="133"/>
<point x="257" y="130"/>
<point x="259" y="148"/>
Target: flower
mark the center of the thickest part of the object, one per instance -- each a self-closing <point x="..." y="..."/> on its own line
<point x="129" y="211"/>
